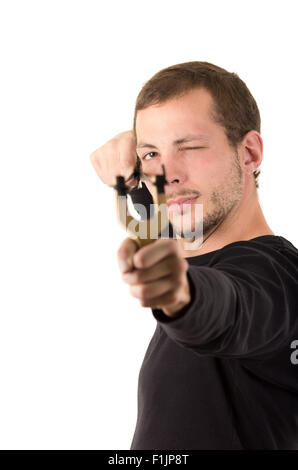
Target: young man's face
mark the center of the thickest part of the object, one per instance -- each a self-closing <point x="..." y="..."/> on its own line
<point x="205" y="168"/>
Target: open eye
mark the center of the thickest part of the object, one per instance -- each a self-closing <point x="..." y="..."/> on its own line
<point x="150" y="153"/>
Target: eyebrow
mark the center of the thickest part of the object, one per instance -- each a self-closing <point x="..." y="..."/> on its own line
<point x="187" y="138"/>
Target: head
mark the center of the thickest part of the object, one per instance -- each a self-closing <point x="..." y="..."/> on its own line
<point x="203" y="124"/>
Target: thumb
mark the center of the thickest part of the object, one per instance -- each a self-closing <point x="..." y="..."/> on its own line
<point x="125" y="255"/>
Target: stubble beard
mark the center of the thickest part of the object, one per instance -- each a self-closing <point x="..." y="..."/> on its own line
<point x="223" y="199"/>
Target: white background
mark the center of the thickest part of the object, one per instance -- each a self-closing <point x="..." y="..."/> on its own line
<point x="72" y="339"/>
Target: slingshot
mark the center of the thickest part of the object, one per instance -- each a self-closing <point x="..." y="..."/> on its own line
<point x="142" y="231"/>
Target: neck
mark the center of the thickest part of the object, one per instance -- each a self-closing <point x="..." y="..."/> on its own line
<point x="245" y="221"/>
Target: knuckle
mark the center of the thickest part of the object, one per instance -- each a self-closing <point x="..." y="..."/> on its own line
<point x="138" y="292"/>
<point x="131" y="278"/>
<point x="139" y="261"/>
<point x="127" y="278"/>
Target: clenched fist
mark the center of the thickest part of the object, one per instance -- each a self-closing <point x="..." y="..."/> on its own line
<point x="116" y="157"/>
<point x="156" y="274"/>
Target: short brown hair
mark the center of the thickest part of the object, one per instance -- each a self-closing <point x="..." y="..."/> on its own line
<point x="234" y="106"/>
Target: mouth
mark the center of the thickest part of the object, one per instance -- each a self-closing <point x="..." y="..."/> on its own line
<point x="176" y="205"/>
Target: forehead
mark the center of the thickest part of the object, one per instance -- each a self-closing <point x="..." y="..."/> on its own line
<point x="190" y="112"/>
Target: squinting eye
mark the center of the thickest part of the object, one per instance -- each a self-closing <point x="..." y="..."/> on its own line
<point x="192" y="148"/>
<point x="144" y="158"/>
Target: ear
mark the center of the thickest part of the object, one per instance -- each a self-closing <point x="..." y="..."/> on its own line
<point x="252" y="151"/>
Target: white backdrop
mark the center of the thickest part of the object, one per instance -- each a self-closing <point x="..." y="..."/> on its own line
<point x="72" y="339"/>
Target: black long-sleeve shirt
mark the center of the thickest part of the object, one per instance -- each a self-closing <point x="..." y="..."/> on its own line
<point x="224" y="375"/>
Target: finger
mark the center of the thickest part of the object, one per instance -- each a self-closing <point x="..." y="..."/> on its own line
<point x="169" y="298"/>
<point x="151" y="254"/>
<point x="127" y="157"/>
<point x="125" y="254"/>
<point x="166" y="267"/>
<point x="151" y="290"/>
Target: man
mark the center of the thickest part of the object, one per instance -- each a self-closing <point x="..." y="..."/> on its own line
<point x="220" y="371"/>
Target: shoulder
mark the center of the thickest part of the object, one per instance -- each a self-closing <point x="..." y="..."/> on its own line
<point x="266" y="253"/>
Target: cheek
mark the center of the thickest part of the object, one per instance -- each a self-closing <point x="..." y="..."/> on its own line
<point x="212" y="167"/>
<point x="205" y="168"/>
<point x="209" y="174"/>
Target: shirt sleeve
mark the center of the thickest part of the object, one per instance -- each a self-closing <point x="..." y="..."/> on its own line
<point x="243" y="306"/>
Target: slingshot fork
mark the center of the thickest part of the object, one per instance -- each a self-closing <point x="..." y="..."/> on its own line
<point x="143" y="231"/>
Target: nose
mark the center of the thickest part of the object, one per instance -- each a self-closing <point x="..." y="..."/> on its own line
<point x="176" y="173"/>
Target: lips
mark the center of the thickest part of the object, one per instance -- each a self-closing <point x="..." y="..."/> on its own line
<point x="181" y="204"/>
<point x="182" y="200"/>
